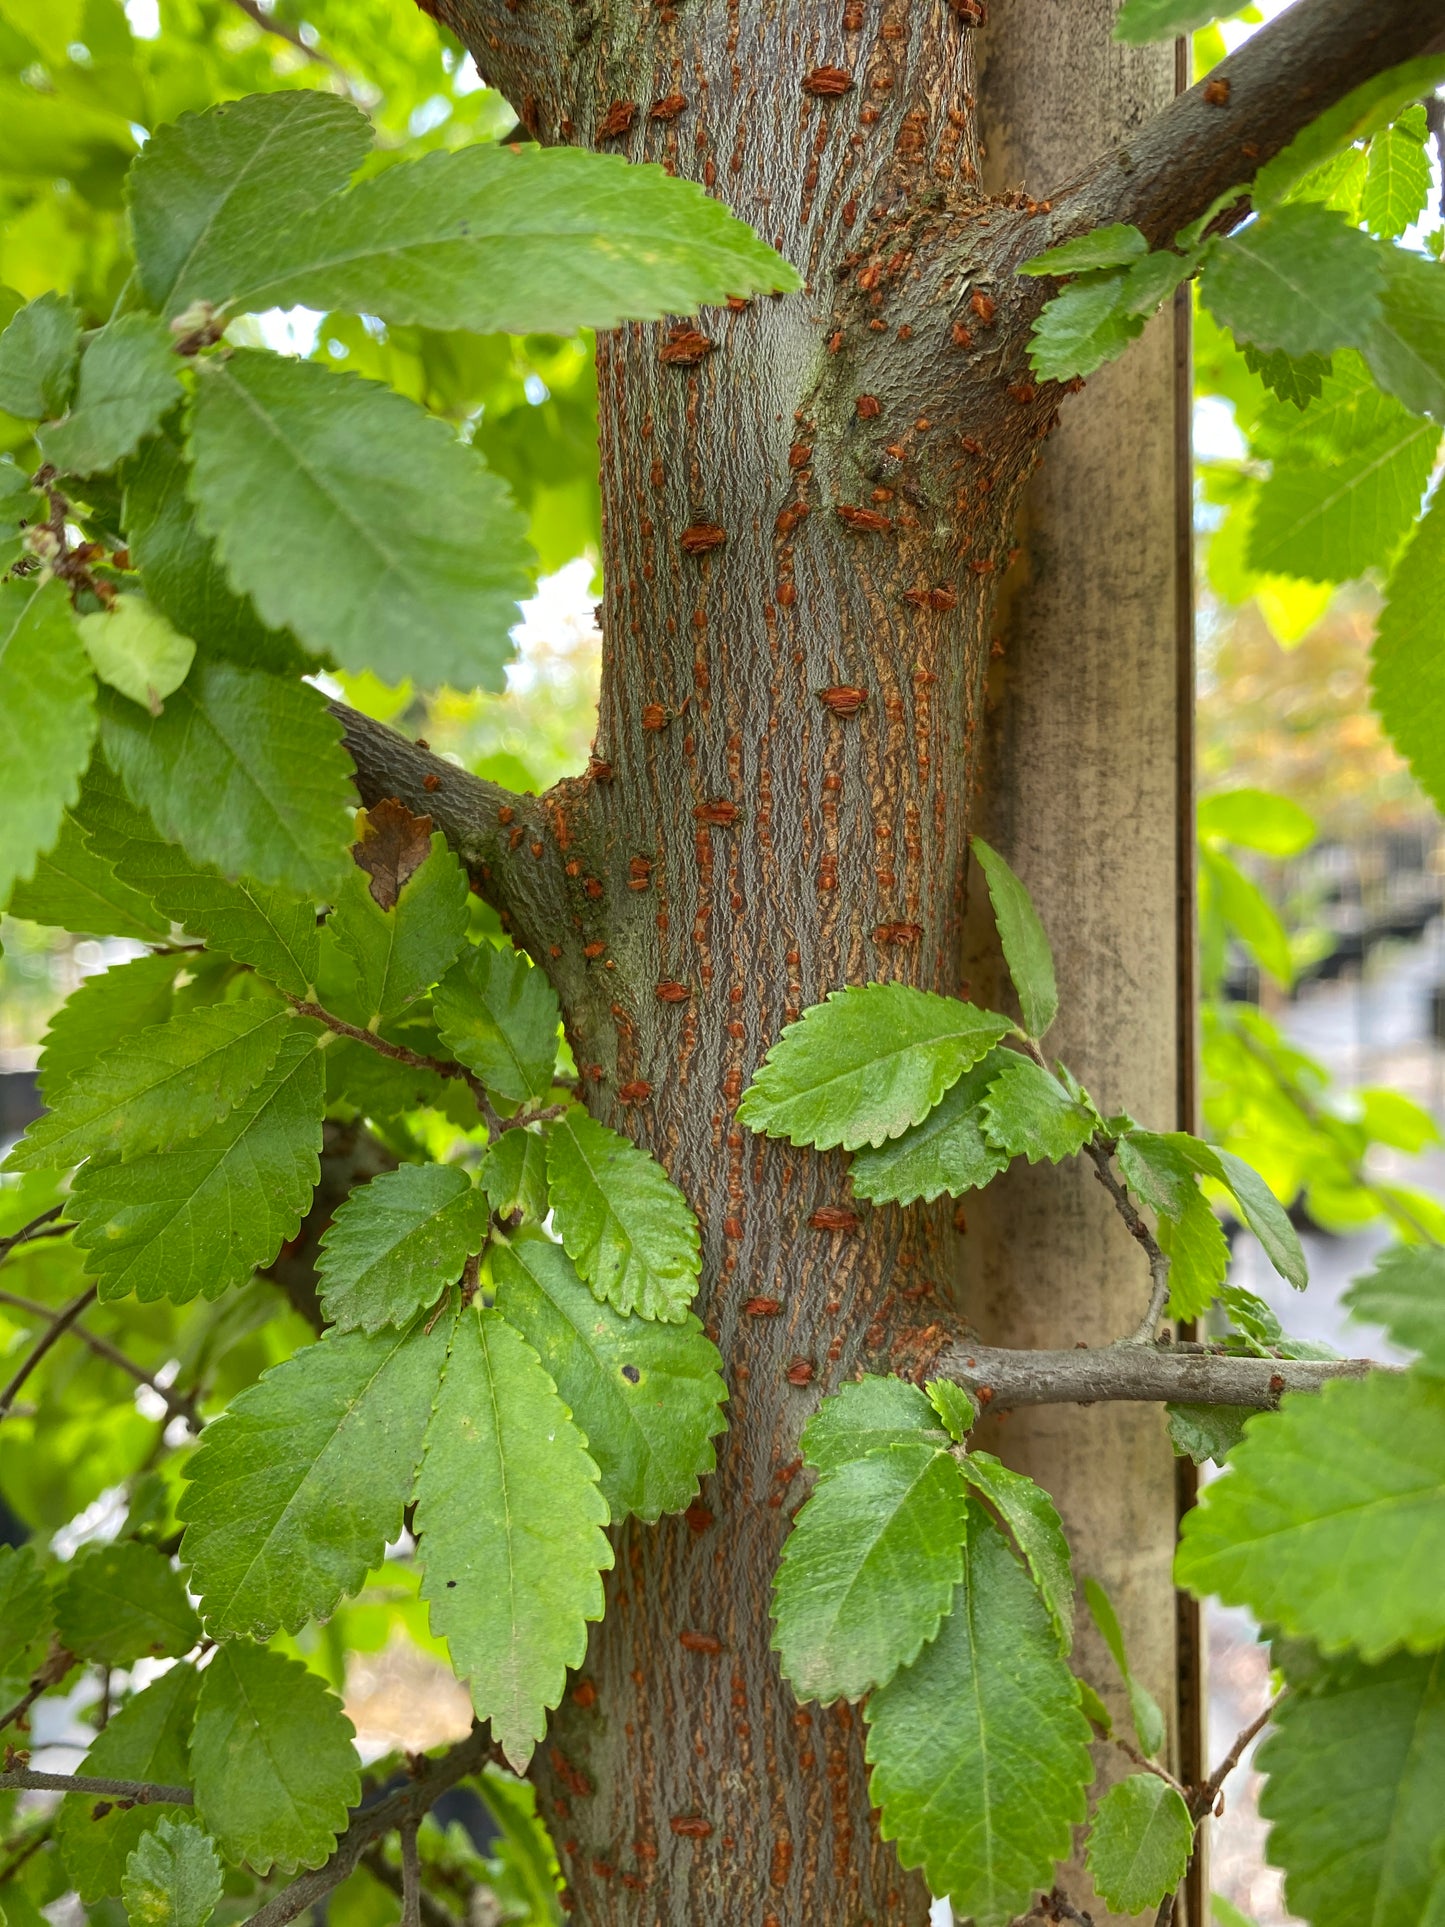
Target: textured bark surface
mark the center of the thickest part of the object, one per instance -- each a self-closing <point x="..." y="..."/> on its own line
<point x="807" y="507"/>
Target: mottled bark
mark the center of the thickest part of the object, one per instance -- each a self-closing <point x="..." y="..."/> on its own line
<point x="803" y="530"/>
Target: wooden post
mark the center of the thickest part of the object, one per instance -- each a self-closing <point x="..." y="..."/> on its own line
<point x="1087" y="792"/>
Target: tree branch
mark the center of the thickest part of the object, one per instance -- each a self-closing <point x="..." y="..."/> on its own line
<point x="433" y="1912"/>
<point x="1221" y="133"/>
<point x="102" y="1347"/>
<point x="1130" y="1373"/>
<point x="136" y="1793"/>
<point x="42" y="1227"/>
<point x="59" y="1325"/>
<point x="367" y="1824"/>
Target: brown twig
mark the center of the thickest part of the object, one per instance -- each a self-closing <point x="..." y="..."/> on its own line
<point x="433" y="1912"/>
<point x="60" y="1324"/>
<point x="284" y="31"/>
<point x="102" y="1347"/>
<point x="1101" y="1152"/>
<point x="136" y="1793"/>
<point x="1203" y="1798"/>
<point x="1140" y="1759"/>
<point x="410" y="1875"/>
<point x="42" y="1227"/>
<point x="1004" y="1379"/>
<point x="57" y="1663"/>
<point x="368" y="1824"/>
<point x="418" y="1061"/>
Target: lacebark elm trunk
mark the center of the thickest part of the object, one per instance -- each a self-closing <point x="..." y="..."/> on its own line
<point x="807" y="506"/>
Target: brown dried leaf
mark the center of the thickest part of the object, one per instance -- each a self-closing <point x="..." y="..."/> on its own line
<point x="394" y="845"/>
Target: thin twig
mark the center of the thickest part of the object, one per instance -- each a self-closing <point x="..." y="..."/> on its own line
<point x="1151" y="1766"/>
<point x="410" y="1875"/>
<point x="1101" y="1153"/>
<point x="59" y="1325"/>
<point x="433" y="1912"/>
<point x="368" y="1824"/>
<point x="419" y="1061"/>
<point x="1204" y="1797"/>
<point x="283" y="30"/>
<point x="56" y="1664"/>
<point x="42" y="1227"/>
<point x="102" y="1347"/>
<point x="136" y="1793"/>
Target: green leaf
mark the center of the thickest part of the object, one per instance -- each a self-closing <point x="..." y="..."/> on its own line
<point x="79" y="891"/>
<point x="25" y="1609"/>
<point x="1102" y="247"/>
<point x="156" y="1089"/>
<point x="1329" y="523"/>
<point x="1086" y="324"/>
<point x="514" y="240"/>
<point x="498" y="1015"/>
<point x="301" y="1483"/>
<point x="1149" y="1728"/>
<point x="1355" y="1794"/>
<point x="1094" y="1709"/>
<point x="1406" y="347"/>
<point x="272" y="1760"/>
<point x="1038" y="1532"/>
<point x="1143" y="20"/>
<point x="411" y="567"/>
<point x="1274" y="825"/>
<point x="1206" y="1431"/>
<point x="954" y="1406"/>
<point x="1159" y="1171"/>
<point x="397" y="1244"/>
<point x="148" y="1739"/>
<point x="47" y="722"/>
<point x="38" y="354"/>
<point x="510" y="1523"/>
<point x="1299" y="278"/>
<point x="173" y="1223"/>
<point x="210" y="190"/>
<point x="1198" y="1255"/>
<point x="1295" y="379"/>
<point x="1266" y="1218"/>
<point x="179" y="567"/>
<point x="136" y="650"/>
<point x="623" y="1222"/>
<point x="271" y="930"/>
<point x="130" y="378"/>
<point x="1407" y="682"/>
<point x="946" y="1152"/>
<point x="172" y="1878"/>
<point x="1139" y="1843"/>
<point x="862" y="1067"/>
<point x="523" y="1846"/>
<point x="393" y="955"/>
<point x="1406" y="1294"/>
<point x="1226" y="891"/>
<point x="869" y="1416"/>
<point x="647" y="1397"/>
<point x="108" y="1006"/>
<point x="979" y="1751"/>
<point x="1025" y="946"/>
<point x="123" y="1602"/>
<point x="1329" y="1521"/>
<point x="244" y="770"/>
<point x="1028" y="1113"/>
<point x="1371" y="106"/>
<point x="1397" y="185"/>
<point x="514" y="1174"/>
<point x="868" y="1571"/>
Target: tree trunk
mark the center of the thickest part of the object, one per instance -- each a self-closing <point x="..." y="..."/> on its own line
<point x="807" y="506"/>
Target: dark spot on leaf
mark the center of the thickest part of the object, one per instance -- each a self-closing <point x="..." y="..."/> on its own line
<point x="631" y="1374"/>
